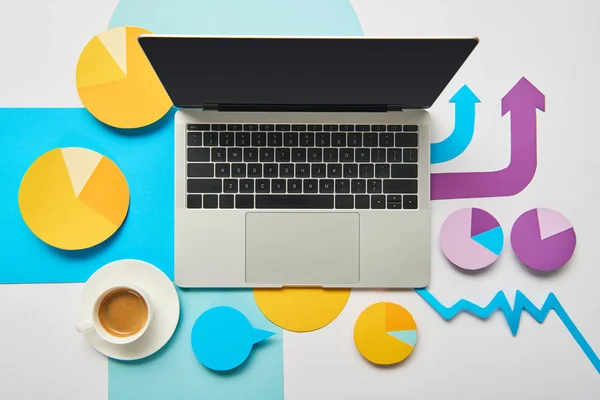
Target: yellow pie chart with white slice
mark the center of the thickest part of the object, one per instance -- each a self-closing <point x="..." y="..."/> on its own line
<point x="73" y="198"/>
<point x="116" y="82"/>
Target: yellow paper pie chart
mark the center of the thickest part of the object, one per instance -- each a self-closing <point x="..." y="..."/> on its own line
<point x="73" y="198"/>
<point x="385" y="333"/>
<point x="116" y="82"/>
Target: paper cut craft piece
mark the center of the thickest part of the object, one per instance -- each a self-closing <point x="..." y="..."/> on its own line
<point x="464" y="126"/>
<point x="385" y="333"/>
<point x="543" y="239"/>
<point x="116" y="82"/>
<point x="522" y="101"/>
<point x="222" y="338"/>
<point x="513" y="314"/>
<point x="73" y="198"/>
<point x="301" y="309"/>
<point x="471" y="238"/>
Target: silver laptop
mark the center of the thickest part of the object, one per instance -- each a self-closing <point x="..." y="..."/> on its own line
<point x="303" y="161"/>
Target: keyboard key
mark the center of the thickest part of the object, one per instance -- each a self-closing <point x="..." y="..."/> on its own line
<point x="275" y="139"/>
<point x="382" y="171"/>
<point x="251" y="155"/>
<point x="370" y="140"/>
<point x="361" y="201"/>
<point x="282" y="155"/>
<point x="298" y="155"/>
<point x="330" y="155"/>
<point x="244" y="201"/>
<point x="194" y="201"/>
<point x="267" y="127"/>
<point x="271" y="170"/>
<point x="302" y="170"/>
<point x="315" y="155"/>
<point x="323" y="140"/>
<point x="263" y="186"/>
<point x="242" y="139"/>
<point x="294" y="201"/>
<point x="394" y="128"/>
<point x="326" y="185"/>
<point x="286" y="170"/>
<point x="410" y="202"/>
<point x="366" y="170"/>
<point x="294" y="185"/>
<point x="378" y="128"/>
<point x="358" y="186"/>
<point x="222" y="170"/>
<point x="350" y="170"/>
<point x="314" y="127"/>
<point x="319" y="171"/>
<point x="254" y="170"/>
<point x="363" y="155"/>
<point x="226" y="201"/>
<point x="211" y="200"/>
<point x="204" y="185"/>
<point x="226" y="139"/>
<point x="278" y="185"/>
<point x="330" y="128"/>
<point x="218" y="127"/>
<point x="246" y="185"/>
<point x="194" y="139"/>
<point x="407" y="140"/>
<point x="234" y="127"/>
<point x="250" y="127"/>
<point x="386" y="140"/>
<point x="411" y="128"/>
<point x="338" y="139"/>
<point x="311" y="186"/>
<point x="374" y="186"/>
<point x="267" y="155"/>
<point x="400" y="186"/>
<point x="211" y="139"/>
<point x="344" y="202"/>
<point x="201" y="170"/>
<point x="347" y="155"/>
<point x="298" y="127"/>
<point x="238" y="170"/>
<point x="219" y="154"/>
<point x="355" y="139"/>
<point x="342" y="186"/>
<point x="334" y="170"/>
<point x="198" y="127"/>
<point x="282" y="127"/>
<point x="363" y="128"/>
<point x="377" y="202"/>
<point x="307" y="139"/>
<point x="230" y="186"/>
<point x="404" y="170"/>
<point x="234" y="154"/>
<point x="290" y="139"/>
<point x="394" y="198"/>
<point x="394" y="202"/>
<point x="394" y="155"/>
<point x="409" y="155"/>
<point x="346" y="128"/>
<point x="198" y="154"/>
<point x="378" y="155"/>
<point x="259" y="139"/>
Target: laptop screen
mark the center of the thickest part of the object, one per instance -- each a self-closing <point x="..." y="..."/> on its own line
<point x="407" y="73"/>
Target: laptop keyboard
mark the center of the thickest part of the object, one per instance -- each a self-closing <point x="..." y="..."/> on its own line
<point x="298" y="166"/>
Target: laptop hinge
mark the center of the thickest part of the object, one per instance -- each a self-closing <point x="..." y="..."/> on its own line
<point x="301" y="107"/>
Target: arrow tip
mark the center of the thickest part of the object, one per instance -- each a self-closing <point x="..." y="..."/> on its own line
<point x="466" y="95"/>
<point x="523" y="95"/>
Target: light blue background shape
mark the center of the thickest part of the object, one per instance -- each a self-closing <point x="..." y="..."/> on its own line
<point x="175" y="373"/>
<point x="146" y="159"/>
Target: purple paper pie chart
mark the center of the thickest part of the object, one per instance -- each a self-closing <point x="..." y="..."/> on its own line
<point x="471" y="238"/>
<point x="543" y="239"/>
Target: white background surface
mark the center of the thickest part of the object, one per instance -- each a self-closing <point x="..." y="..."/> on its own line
<point x="552" y="43"/>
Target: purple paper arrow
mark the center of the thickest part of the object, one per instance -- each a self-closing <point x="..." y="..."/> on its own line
<point x="522" y="101"/>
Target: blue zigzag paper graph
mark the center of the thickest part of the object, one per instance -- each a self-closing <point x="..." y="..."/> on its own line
<point x="513" y="315"/>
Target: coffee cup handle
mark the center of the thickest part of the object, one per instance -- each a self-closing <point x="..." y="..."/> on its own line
<point x="84" y="326"/>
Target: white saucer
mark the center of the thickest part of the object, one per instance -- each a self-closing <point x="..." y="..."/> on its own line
<point x="163" y="298"/>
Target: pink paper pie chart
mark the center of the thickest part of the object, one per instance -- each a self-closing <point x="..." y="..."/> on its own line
<point x="543" y="239"/>
<point x="471" y="238"/>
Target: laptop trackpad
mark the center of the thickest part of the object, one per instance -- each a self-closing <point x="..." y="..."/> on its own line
<point x="302" y="248"/>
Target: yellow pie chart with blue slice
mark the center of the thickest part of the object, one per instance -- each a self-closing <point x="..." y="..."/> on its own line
<point x="73" y="198"/>
<point x="116" y="82"/>
<point x="385" y="333"/>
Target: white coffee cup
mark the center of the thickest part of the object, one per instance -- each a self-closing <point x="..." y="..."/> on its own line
<point x="94" y="320"/>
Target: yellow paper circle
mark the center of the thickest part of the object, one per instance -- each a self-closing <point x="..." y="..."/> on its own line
<point x="116" y="82"/>
<point x="301" y="309"/>
<point x="73" y="198"/>
<point x="385" y="333"/>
